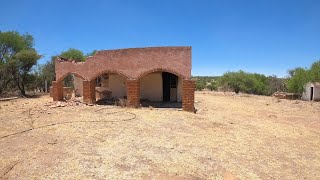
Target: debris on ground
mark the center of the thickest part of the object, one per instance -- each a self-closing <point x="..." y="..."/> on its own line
<point x="8" y="99"/>
<point x="286" y="95"/>
<point x="76" y="101"/>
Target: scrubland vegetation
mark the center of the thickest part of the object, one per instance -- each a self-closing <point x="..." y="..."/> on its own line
<point x="254" y="83"/>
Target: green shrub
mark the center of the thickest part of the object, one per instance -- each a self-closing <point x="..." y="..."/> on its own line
<point x="251" y="83"/>
<point x="212" y="86"/>
<point x="200" y="85"/>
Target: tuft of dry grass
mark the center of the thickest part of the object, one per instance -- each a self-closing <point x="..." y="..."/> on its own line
<point x="122" y="103"/>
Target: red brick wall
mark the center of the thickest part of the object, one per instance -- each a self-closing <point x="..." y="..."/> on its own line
<point x="131" y="63"/>
<point x="89" y="92"/>
<point x="133" y="93"/>
<point x="57" y="88"/>
<point x="188" y="88"/>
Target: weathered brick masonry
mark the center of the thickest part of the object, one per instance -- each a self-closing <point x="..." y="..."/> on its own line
<point x="57" y="87"/>
<point x="133" y="93"/>
<point x="132" y="63"/>
<point x="89" y="92"/>
<point x="188" y="88"/>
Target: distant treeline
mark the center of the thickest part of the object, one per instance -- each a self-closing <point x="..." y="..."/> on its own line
<point x="254" y="83"/>
<point x="242" y="81"/>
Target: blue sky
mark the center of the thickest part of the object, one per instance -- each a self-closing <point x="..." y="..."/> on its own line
<point x="264" y="36"/>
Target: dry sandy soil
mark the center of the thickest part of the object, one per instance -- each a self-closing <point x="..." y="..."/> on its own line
<point x="231" y="136"/>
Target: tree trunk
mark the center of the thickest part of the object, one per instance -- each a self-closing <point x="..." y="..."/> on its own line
<point x="23" y="92"/>
<point x="20" y="87"/>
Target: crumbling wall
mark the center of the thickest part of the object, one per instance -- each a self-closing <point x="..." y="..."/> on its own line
<point x="132" y="63"/>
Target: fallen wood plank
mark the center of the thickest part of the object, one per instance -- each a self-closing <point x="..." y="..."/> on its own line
<point x="8" y="99"/>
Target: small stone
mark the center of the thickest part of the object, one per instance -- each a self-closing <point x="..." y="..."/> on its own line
<point x="272" y="116"/>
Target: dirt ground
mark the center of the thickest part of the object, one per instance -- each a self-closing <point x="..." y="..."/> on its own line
<point x="231" y="136"/>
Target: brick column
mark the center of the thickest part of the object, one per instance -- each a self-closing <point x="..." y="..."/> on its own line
<point x="89" y="92"/>
<point x="188" y="88"/>
<point x="57" y="88"/>
<point x="133" y="93"/>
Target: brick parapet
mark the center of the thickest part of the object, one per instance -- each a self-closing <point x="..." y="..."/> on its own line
<point x="132" y="63"/>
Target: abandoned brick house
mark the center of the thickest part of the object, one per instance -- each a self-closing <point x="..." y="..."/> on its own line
<point x="155" y="73"/>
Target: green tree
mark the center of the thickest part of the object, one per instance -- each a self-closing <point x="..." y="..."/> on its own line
<point x="200" y="85"/>
<point x="73" y="54"/>
<point x="251" y="83"/>
<point x="17" y="56"/>
<point x="212" y="86"/>
<point x="20" y="66"/>
<point x="299" y="77"/>
<point x="315" y="72"/>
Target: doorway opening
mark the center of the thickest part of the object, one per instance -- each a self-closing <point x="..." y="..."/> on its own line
<point x="169" y="85"/>
<point x="110" y="88"/>
<point x="311" y="93"/>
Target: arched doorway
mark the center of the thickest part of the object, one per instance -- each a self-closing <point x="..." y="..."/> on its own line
<point x="160" y="88"/>
<point x="109" y="87"/>
<point x="67" y="86"/>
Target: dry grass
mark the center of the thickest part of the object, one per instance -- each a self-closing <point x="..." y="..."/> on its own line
<point x="247" y="137"/>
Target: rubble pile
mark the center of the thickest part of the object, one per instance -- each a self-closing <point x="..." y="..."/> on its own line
<point x="76" y="101"/>
<point x="285" y="95"/>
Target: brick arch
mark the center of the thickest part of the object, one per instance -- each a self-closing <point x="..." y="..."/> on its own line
<point x="66" y="74"/>
<point x="161" y="70"/>
<point x="108" y="72"/>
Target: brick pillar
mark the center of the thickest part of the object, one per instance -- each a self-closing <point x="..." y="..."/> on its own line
<point x="89" y="92"/>
<point x="188" y="88"/>
<point x="57" y="88"/>
<point x="133" y="93"/>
